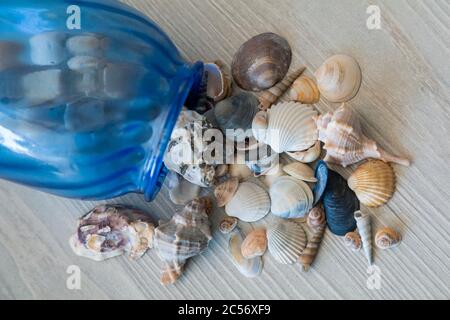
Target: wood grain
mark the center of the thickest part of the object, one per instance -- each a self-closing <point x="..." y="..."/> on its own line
<point x="404" y="103"/>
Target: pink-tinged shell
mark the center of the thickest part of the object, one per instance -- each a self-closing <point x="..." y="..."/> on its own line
<point x="255" y="244"/>
<point x="345" y="142"/>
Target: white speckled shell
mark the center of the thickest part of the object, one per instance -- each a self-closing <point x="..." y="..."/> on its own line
<point x="250" y="268"/>
<point x="286" y="241"/>
<point x="250" y="203"/>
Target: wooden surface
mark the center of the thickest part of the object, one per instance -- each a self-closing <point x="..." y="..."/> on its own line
<point x="404" y="103"/>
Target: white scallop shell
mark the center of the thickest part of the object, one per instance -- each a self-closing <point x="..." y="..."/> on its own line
<point x="250" y="203"/>
<point x="248" y="267"/>
<point x="286" y="241"/>
<point x="291" y="198"/>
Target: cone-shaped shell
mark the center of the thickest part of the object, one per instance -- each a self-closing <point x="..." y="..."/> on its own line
<point x="271" y="96"/>
<point x="339" y="78"/>
<point x="261" y="62"/>
<point x="250" y="203"/>
<point x="304" y="90"/>
<point x="373" y="182"/>
<point x="250" y="268"/>
<point x="365" y="230"/>
<point x="286" y="241"/>
<point x="291" y="198"/>
<point x="353" y="241"/>
<point x="387" y="238"/>
<point x="219" y="83"/>
<point x="308" y="156"/>
<point x="300" y="171"/>
<point x="255" y="244"/>
<point x="340" y="204"/>
<point x="226" y="191"/>
<point x="228" y="224"/>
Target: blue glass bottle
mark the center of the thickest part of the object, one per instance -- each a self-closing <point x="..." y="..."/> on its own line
<point x="89" y="94"/>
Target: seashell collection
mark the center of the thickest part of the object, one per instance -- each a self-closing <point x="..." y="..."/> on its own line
<point x="300" y="195"/>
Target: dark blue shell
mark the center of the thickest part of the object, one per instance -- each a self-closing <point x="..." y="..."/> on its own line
<point x="340" y="204"/>
<point x="322" y="178"/>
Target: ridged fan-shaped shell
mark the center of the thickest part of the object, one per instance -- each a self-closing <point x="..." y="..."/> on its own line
<point x="291" y="198"/>
<point x="286" y="241"/>
<point x="250" y="203"/>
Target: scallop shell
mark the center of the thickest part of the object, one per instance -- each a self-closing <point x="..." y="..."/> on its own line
<point x="286" y="241"/>
<point x="365" y="230"/>
<point x="250" y="203"/>
<point x="373" y="182"/>
<point x="340" y="204"/>
<point x="291" y="198"/>
<point x="308" y="156"/>
<point x="250" y="268"/>
<point x="185" y="236"/>
<point x="287" y="127"/>
<point x="387" y="238"/>
<point x="255" y="244"/>
<point x="226" y="191"/>
<point x="304" y="90"/>
<point x="219" y="83"/>
<point x="261" y="62"/>
<point x="353" y="241"/>
<point x="269" y="97"/>
<point x="110" y="231"/>
<point x="339" y="78"/>
<point x="228" y="224"/>
<point x="345" y="142"/>
<point x="300" y="171"/>
<point x="321" y="175"/>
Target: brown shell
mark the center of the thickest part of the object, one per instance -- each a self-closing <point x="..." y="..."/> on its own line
<point x="228" y="224"/>
<point x="225" y="191"/>
<point x="255" y="244"/>
<point x="261" y="62"/>
<point x="387" y="238"/>
<point x="316" y="217"/>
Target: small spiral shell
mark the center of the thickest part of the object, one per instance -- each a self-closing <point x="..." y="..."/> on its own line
<point x="353" y="241"/>
<point x="316" y="217"/>
<point x="387" y="238"/>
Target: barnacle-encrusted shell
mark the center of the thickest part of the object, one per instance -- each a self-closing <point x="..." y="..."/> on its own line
<point x="345" y="142"/>
<point x="250" y="203"/>
<point x="185" y="236"/>
<point x="255" y="244"/>
<point x="250" y="268"/>
<point x="365" y="230"/>
<point x="291" y="198"/>
<point x="373" y="182"/>
<point x="228" y="224"/>
<point x="110" y="231"/>
<point x="300" y="171"/>
<point x="387" y="238"/>
<point x="304" y="90"/>
<point x="286" y="241"/>
<point x="307" y="156"/>
<point x="261" y="62"/>
<point x="353" y="241"/>
<point x="219" y="82"/>
<point x="225" y="191"/>
<point x="339" y="78"/>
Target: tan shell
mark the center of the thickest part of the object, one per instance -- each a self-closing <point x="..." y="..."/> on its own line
<point x="255" y="244"/>
<point x="308" y="255"/>
<point x="273" y="175"/>
<point x="345" y="142"/>
<point x="316" y="217"/>
<point x="339" y="78"/>
<point x="308" y="156"/>
<point x="221" y="170"/>
<point x="305" y="90"/>
<point x="353" y="241"/>
<point x="219" y="82"/>
<point x="300" y="171"/>
<point x="228" y="224"/>
<point x="387" y="238"/>
<point x="373" y="182"/>
<point x="225" y="191"/>
<point x="271" y="96"/>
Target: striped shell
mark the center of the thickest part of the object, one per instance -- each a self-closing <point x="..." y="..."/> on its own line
<point x="316" y="217"/>
<point x="312" y="248"/>
<point x="250" y="268"/>
<point x="373" y="182"/>
<point x="255" y="244"/>
<point x="365" y="230"/>
<point x="226" y="191"/>
<point x="387" y="238"/>
<point x="286" y="241"/>
<point x="291" y="198"/>
<point x="228" y="224"/>
<point x="305" y="90"/>
<point x="250" y="203"/>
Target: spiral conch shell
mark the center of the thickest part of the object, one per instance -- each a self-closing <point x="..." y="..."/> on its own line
<point x="365" y="230"/>
<point x="345" y="142"/>
<point x="255" y="244"/>
<point x="185" y="236"/>
<point x="339" y="78"/>
<point x="373" y="183"/>
<point x="353" y="241"/>
<point x="387" y="238"/>
<point x="317" y="222"/>
<point x="304" y="90"/>
<point x="269" y="97"/>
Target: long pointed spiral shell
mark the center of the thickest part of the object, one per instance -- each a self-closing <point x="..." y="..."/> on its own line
<point x="365" y="230"/>
<point x="312" y="248"/>
<point x="387" y="238"/>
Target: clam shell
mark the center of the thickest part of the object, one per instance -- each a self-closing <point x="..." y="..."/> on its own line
<point x="250" y="268"/>
<point x="340" y="204"/>
<point x="219" y="83"/>
<point x="228" y="224"/>
<point x="373" y="182"/>
<point x="291" y="198"/>
<point x="353" y="241"/>
<point x="255" y="244"/>
<point x="339" y="78"/>
<point x="321" y="175"/>
<point x="305" y="90"/>
<point x="308" y="156"/>
<point x="286" y="241"/>
<point x="250" y="203"/>
<point x="387" y="238"/>
<point x="365" y="230"/>
<point x="261" y="62"/>
<point x="226" y="191"/>
<point x="300" y="171"/>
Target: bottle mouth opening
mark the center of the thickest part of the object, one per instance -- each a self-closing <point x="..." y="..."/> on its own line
<point x="190" y="77"/>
